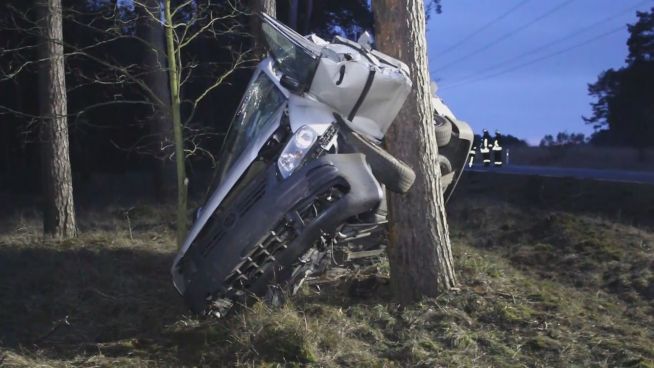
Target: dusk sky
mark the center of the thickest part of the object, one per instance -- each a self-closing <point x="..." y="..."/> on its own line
<point x="475" y="39"/>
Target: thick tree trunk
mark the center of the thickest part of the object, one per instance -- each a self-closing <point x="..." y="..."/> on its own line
<point x="161" y="128"/>
<point x="59" y="209"/>
<point x="257" y="6"/>
<point x="419" y="251"/>
<point x="173" y="76"/>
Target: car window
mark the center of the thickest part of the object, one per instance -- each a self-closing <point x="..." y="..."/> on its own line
<point x="261" y="100"/>
<point x="294" y="55"/>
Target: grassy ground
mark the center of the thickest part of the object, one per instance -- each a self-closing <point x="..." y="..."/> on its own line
<point x="541" y="286"/>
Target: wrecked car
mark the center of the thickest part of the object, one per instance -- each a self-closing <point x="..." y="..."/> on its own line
<point x="303" y="168"/>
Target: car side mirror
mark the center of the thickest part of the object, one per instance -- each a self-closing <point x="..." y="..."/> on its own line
<point x="290" y="83"/>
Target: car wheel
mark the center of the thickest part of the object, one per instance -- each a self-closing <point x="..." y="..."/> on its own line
<point x="444" y="163"/>
<point x="443" y="127"/>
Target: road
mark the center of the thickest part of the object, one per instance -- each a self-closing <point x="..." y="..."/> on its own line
<point x="643" y="177"/>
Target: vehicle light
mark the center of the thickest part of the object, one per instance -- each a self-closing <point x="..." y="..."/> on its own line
<point x="296" y="149"/>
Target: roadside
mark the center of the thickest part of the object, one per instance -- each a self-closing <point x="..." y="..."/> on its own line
<point x="638" y="177"/>
<point x="583" y="156"/>
<point x="544" y="282"/>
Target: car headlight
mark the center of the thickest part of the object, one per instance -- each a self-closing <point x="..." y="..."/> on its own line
<point x="296" y="149"/>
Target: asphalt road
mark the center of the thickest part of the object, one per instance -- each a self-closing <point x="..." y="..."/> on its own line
<point x="643" y="177"/>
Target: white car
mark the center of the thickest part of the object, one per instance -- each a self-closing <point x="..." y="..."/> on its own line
<point x="302" y="169"/>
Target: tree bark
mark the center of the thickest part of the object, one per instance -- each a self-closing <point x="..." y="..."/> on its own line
<point x="292" y="13"/>
<point x="257" y="6"/>
<point x="160" y="125"/>
<point x="174" y="79"/>
<point x="59" y="209"/>
<point x="419" y="252"/>
<point x="307" y="18"/>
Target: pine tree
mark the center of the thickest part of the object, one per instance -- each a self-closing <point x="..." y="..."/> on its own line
<point x="419" y="250"/>
<point x="59" y="209"/>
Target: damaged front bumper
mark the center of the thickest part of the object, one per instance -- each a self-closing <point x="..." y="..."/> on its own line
<point x="265" y="225"/>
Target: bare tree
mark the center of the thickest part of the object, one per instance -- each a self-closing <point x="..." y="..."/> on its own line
<point x="183" y="24"/>
<point x="420" y="252"/>
<point x="180" y="34"/>
<point x="174" y="79"/>
<point x="59" y="209"/>
<point x="154" y="61"/>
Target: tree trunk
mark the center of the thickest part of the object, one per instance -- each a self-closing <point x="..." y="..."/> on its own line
<point x="292" y="13"/>
<point x="257" y="6"/>
<point x="59" y="209"/>
<point x="173" y="76"/>
<point x="161" y="128"/>
<point x="307" y="18"/>
<point x="419" y="252"/>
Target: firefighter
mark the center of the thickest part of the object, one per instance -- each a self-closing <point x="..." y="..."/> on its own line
<point x="485" y="148"/>
<point x="471" y="156"/>
<point x="497" y="150"/>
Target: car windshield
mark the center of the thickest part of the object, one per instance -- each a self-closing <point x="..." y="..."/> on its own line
<point x="295" y="55"/>
<point x="261" y="100"/>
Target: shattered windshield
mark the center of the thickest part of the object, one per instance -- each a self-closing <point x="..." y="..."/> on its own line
<point x="295" y="57"/>
<point x="261" y="100"/>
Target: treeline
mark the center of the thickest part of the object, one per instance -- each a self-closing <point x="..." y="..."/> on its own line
<point x="623" y="113"/>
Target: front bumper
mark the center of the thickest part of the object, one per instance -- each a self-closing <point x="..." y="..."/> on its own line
<point x="260" y="229"/>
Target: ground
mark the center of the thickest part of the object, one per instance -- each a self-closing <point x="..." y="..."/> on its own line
<point x="583" y="156"/>
<point x="543" y="283"/>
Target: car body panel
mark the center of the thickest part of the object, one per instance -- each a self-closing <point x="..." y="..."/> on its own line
<point x="235" y="171"/>
<point x="457" y="153"/>
<point x="302" y="110"/>
<point x="265" y="204"/>
<point x="307" y="111"/>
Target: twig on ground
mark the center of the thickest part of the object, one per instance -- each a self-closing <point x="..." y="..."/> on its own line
<point x="57" y="325"/>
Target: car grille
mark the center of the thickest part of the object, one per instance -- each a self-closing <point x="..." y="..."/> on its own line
<point x="253" y="263"/>
<point x="223" y="220"/>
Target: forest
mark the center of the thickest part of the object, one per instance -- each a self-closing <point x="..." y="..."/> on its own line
<point x="112" y="73"/>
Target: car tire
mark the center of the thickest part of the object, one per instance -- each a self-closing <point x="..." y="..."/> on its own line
<point x="445" y="165"/>
<point x="395" y="174"/>
<point x="443" y="127"/>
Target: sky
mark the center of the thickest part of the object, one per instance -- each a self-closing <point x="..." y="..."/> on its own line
<point x="523" y="66"/>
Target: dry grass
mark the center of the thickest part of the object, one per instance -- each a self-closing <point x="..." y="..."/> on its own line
<point x="624" y="203"/>
<point x="540" y="288"/>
